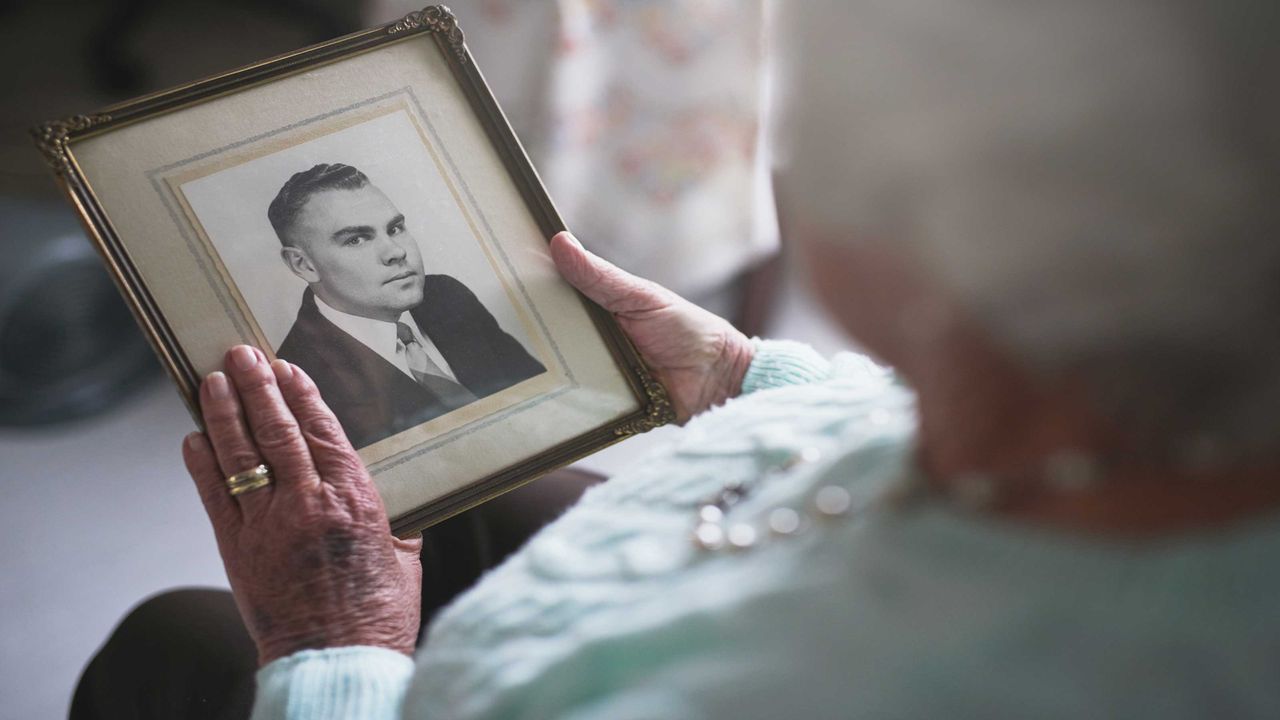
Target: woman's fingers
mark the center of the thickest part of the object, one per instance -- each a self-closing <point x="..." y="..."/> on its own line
<point x="272" y="426"/>
<point x="226" y="429"/>
<point x="198" y="455"/>
<point x="611" y="287"/>
<point x="335" y="459"/>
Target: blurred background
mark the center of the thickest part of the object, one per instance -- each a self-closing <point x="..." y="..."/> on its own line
<point x="645" y="118"/>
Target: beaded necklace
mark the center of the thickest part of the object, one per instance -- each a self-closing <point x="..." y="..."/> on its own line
<point x="1064" y="472"/>
<point x="713" y="532"/>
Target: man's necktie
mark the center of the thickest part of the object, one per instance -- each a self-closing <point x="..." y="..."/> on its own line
<point x="428" y="374"/>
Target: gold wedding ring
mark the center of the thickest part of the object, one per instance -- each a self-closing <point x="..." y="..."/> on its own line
<point x="249" y="480"/>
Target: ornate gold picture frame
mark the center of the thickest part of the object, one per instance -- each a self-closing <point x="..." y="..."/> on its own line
<point x="205" y="202"/>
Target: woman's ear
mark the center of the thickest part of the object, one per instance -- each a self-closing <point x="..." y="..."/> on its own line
<point x="299" y="264"/>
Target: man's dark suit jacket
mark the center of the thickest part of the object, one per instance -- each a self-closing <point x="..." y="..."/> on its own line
<point x="374" y="399"/>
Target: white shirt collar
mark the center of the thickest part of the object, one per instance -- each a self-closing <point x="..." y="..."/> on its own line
<point x="380" y="336"/>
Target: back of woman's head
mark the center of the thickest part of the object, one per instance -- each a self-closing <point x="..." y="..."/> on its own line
<point x="1097" y="181"/>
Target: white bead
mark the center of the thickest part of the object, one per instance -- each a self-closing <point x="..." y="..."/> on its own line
<point x="832" y="500"/>
<point x="784" y="521"/>
<point x="709" y="536"/>
<point x="742" y="536"/>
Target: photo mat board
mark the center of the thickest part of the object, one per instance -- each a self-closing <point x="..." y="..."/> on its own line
<point x="175" y="189"/>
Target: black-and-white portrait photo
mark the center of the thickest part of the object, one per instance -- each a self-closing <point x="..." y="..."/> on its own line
<point x="360" y="268"/>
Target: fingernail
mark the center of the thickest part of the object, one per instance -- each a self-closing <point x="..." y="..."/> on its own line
<point x="573" y="240"/>
<point x="195" y="441"/>
<point x="217" y="384"/>
<point x="283" y="370"/>
<point x="242" y="357"/>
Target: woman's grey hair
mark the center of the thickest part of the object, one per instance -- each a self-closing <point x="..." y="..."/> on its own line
<point x="1097" y="180"/>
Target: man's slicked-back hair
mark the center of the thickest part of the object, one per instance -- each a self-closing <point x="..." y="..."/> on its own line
<point x="298" y="190"/>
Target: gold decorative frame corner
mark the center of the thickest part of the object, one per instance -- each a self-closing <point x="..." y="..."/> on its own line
<point x="51" y="138"/>
<point x="657" y="413"/>
<point x="438" y="19"/>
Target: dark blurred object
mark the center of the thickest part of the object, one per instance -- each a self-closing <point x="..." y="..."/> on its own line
<point x="757" y="288"/>
<point x="113" y="63"/>
<point x="68" y="345"/>
<point x="118" y="68"/>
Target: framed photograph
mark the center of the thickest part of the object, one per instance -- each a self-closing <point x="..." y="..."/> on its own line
<point x="362" y="209"/>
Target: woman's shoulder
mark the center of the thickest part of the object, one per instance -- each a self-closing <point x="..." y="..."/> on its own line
<point x="721" y="529"/>
<point x="812" y="593"/>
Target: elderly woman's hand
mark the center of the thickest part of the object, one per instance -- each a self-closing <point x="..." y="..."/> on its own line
<point x="699" y="357"/>
<point x="310" y="557"/>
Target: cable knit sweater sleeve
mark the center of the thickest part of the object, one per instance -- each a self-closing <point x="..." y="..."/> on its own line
<point x="780" y="363"/>
<point x="344" y="682"/>
<point x="783" y="362"/>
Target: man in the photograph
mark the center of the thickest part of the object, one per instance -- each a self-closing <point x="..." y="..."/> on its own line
<point x="389" y="346"/>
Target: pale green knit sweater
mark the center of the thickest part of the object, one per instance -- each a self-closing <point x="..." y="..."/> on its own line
<point x="612" y="613"/>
